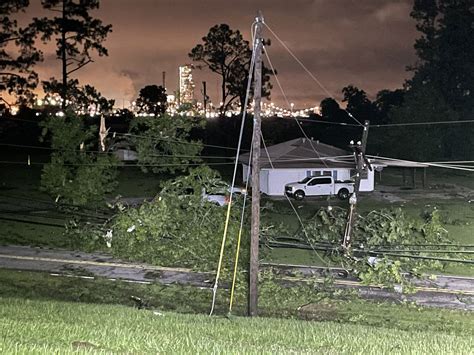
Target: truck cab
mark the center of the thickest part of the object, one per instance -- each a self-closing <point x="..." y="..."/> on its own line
<point x="319" y="186"/>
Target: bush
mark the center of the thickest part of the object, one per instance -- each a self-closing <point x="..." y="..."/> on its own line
<point x="179" y="229"/>
<point x="375" y="234"/>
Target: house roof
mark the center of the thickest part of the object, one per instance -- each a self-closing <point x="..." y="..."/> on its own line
<point x="302" y="153"/>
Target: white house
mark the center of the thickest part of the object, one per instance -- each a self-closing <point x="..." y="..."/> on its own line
<point x="296" y="159"/>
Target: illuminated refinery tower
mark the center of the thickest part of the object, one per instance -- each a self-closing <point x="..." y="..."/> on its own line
<point x="186" y="84"/>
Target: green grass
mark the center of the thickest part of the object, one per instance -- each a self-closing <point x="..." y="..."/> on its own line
<point x="19" y="233"/>
<point x="19" y="188"/>
<point x="46" y="327"/>
<point x="132" y="182"/>
<point x="274" y="302"/>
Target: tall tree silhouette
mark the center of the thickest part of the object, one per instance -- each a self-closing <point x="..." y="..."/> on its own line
<point x="445" y="50"/>
<point x="17" y="52"/>
<point x="358" y="104"/>
<point x="152" y="99"/>
<point x="442" y="84"/>
<point x="77" y="35"/>
<point x="226" y="53"/>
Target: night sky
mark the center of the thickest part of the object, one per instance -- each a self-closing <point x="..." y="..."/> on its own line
<point x="367" y="43"/>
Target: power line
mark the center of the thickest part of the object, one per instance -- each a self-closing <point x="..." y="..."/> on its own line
<point x="61" y="204"/>
<point x="309" y="72"/>
<point x="20" y="119"/>
<point x="288" y="103"/>
<point x="327" y="122"/>
<point x="178" y="141"/>
<point x="31" y="222"/>
<point x="157" y="138"/>
<point x="407" y="256"/>
<point x="453" y="162"/>
<point x="348" y="112"/>
<point x="369" y="252"/>
<point x="430" y="123"/>
<point x="109" y="152"/>
<point x="116" y="165"/>
<point x="57" y="214"/>
<point x="446" y="166"/>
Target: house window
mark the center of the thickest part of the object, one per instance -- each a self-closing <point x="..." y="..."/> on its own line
<point x="332" y="173"/>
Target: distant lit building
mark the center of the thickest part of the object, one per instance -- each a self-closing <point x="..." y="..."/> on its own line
<point x="186" y="84"/>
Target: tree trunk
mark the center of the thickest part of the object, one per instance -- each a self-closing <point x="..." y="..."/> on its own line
<point x="222" y="107"/>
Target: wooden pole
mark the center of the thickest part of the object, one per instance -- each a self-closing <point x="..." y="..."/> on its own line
<point x="359" y="151"/>
<point x="255" y="229"/>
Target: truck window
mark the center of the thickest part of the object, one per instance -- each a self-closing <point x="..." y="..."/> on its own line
<point x="305" y="180"/>
<point x="320" y="181"/>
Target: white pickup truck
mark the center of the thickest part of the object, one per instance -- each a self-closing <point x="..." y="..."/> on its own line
<point x="319" y="186"/>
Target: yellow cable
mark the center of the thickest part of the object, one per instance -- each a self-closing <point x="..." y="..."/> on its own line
<point x="235" y="270"/>
<point x="221" y="255"/>
<point x="239" y="238"/>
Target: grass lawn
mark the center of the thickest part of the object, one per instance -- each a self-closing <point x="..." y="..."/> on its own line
<point x="132" y="182"/>
<point x="47" y="327"/>
<point x="273" y="302"/>
<point x="19" y="190"/>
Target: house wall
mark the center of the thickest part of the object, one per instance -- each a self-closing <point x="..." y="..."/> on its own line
<point x="264" y="181"/>
<point x="264" y="178"/>
<point x="245" y="172"/>
<point x="278" y="178"/>
<point x="369" y="183"/>
<point x="125" y="155"/>
<point x="273" y="181"/>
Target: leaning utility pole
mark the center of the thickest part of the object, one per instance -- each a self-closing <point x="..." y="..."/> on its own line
<point x="255" y="229"/>
<point x="361" y="166"/>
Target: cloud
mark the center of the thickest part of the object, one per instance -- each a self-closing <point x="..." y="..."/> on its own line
<point x="393" y="12"/>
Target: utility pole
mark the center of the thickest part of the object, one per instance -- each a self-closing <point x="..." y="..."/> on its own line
<point x="164" y="80"/>
<point x="361" y="165"/>
<point x="255" y="228"/>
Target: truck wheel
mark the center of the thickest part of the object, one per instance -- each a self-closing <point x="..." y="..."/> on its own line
<point x="343" y="194"/>
<point x="299" y="195"/>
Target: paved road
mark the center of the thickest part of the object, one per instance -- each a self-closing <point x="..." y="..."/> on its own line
<point x="445" y="291"/>
<point x="66" y="262"/>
